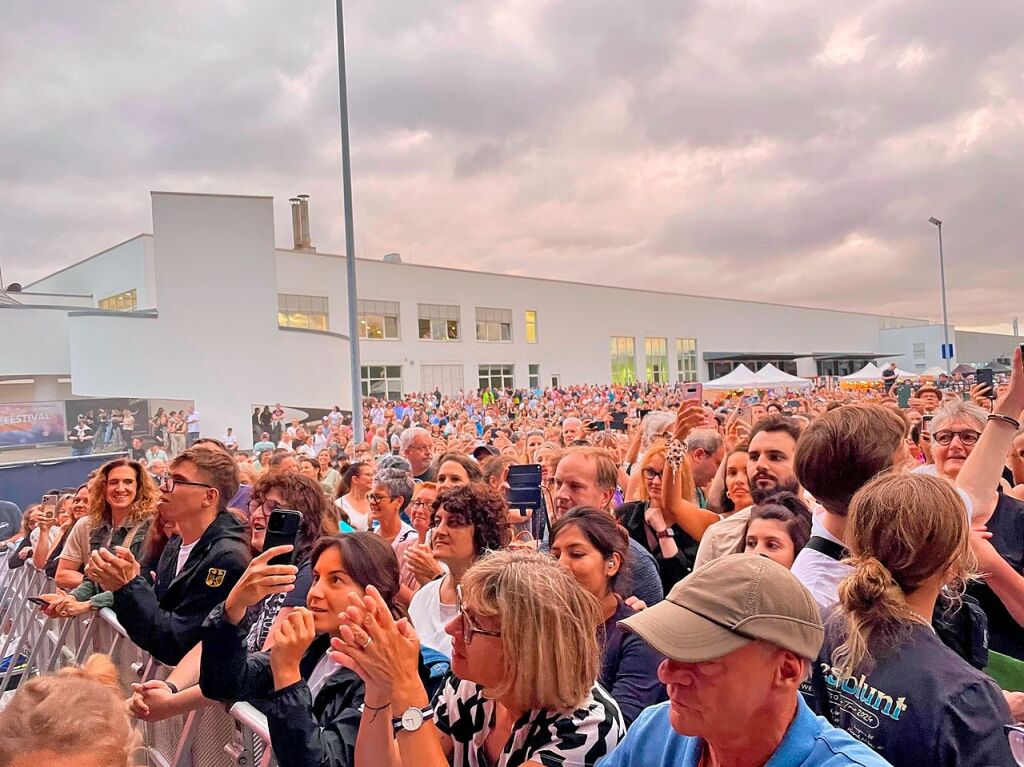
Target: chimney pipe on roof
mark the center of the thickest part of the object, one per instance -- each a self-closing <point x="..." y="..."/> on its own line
<point x="300" y="223"/>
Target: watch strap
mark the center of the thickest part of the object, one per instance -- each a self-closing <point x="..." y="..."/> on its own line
<point x="668" y="532"/>
<point x="399" y="726"/>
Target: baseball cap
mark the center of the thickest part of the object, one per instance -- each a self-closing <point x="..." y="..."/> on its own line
<point x="728" y="603"/>
<point x="483" y="451"/>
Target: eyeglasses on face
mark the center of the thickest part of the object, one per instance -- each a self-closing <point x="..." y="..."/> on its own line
<point x="418" y="504"/>
<point x="651" y="474"/>
<point x="468" y="627"/>
<point x="267" y="507"/>
<point x="168" y="483"/>
<point x="374" y="498"/>
<point x="967" y="437"/>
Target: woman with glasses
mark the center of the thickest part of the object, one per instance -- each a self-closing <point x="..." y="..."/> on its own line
<point x="417" y="564"/>
<point x="122" y="503"/>
<point x="594" y="548"/>
<point x="312" y="704"/>
<point x="392" y="493"/>
<point x="523" y="688"/>
<point x="955" y="431"/>
<point x="466" y="521"/>
<point x="674" y="551"/>
<point x="883" y="674"/>
<point x="249" y="602"/>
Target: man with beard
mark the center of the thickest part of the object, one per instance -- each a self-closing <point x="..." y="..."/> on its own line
<point x="837" y="455"/>
<point x="769" y="469"/>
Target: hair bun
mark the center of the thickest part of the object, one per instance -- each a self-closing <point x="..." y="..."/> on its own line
<point x="866" y="586"/>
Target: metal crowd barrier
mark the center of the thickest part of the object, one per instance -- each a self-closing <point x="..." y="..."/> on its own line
<point x="32" y="644"/>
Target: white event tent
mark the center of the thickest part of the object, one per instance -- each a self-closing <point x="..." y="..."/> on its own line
<point x="871" y="372"/>
<point x="771" y="377"/>
<point x="741" y="377"/>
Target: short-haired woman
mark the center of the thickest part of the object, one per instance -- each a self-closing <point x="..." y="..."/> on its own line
<point x="594" y="548"/>
<point x="392" y="492"/>
<point x="778" y="528"/>
<point x="466" y="521"/>
<point x="523" y="689"/>
<point x="883" y="674"/>
<point x="311" y="704"/>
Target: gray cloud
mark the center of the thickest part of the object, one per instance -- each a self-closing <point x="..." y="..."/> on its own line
<point x="776" y="154"/>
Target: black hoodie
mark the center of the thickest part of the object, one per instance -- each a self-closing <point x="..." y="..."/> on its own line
<point x="165" y="619"/>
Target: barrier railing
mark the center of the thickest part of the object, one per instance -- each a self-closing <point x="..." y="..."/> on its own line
<point x="32" y="643"/>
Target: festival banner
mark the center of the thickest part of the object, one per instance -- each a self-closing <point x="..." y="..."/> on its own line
<point x="26" y="424"/>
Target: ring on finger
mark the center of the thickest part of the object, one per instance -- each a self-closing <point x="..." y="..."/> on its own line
<point x="367" y="643"/>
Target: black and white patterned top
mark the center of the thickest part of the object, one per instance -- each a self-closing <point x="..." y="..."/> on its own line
<point x="553" y="738"/>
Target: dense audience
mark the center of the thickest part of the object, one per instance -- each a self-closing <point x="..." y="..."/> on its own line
<point x="706" y="574"/>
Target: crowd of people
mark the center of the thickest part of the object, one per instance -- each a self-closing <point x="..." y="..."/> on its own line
<point x="819" y="578"/>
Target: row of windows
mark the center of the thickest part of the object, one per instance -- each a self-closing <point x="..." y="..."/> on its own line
<point x="385" y="381"/>
<point x="128" y="301"/>
<point x="379" y="320"/>
<point x="623" y="358"/>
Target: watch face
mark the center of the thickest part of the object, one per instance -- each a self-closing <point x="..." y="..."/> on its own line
<point x="412" y="719"/>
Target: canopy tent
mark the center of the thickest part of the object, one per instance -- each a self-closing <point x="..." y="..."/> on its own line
<point x="998" y="367"/>
<point x="964" y="370"/>
<point x="871" y="373"/>
<point x="771" y="377"/>
<point x="741" y="377"/>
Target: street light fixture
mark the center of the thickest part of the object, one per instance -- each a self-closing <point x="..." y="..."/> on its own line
<point x="945" y="316"/>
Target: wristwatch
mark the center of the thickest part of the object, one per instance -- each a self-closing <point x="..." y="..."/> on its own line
<point x="668" y="532"/>
<point x="412" y="719"/>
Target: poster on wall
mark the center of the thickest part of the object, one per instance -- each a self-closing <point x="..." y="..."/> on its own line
<point x="90" y="408"/>
<point x="26" y="424"/>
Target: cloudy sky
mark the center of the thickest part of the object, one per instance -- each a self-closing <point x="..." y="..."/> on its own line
<point x="781" y="150"/>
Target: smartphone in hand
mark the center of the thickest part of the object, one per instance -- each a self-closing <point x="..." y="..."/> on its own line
<point x="283" y="530"/>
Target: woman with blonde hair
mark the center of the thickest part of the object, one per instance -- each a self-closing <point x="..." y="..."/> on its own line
<point x="122" y="504"/>
<point x="75" y="716"/>
<point x="523" y="687"/>
<point x="647" y="523"/>
<point x="883" y="674"/>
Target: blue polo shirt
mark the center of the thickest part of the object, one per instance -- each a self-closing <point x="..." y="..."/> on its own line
<point x="810" y="741"/>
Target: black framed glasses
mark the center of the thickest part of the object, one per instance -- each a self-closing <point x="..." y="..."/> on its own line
<point x="416" y="503"/>
<point x="374" y="498"/>
<point x="967" y="437"/>
<point x="168" y="483"/>
<point x="651" y="474"/>
<point x="468" y="627"/>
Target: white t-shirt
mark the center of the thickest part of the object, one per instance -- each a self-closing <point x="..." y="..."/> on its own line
<point x="183" y="553"/>
<point x="193" y="423"/>
<point x="230" y="440"/>
<point x="819" y="572"/>
<point x="357" y="519"/>
<point x="429" y="617"/>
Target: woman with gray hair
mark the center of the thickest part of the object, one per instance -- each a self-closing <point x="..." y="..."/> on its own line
<point x="953" y="433"/>
<point x="392" y="491"/>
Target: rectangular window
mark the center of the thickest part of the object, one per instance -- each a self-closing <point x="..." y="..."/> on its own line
<point x="623" y="360"/>
<point x="919" y="352"/>
<point x="531" y="326"/>
<point x="295" y="311"/>
<point x="382" y="381"/>
<point x="497" y="377"/>
<point x="378" y="320"/>
<point x="686" y="359"/>
<point x="128" y="301"/>
<point x="656" y="354"/>
<point x="438" y="322"/>
<point x="494" y="325"/>
<point x="534" y="382"/>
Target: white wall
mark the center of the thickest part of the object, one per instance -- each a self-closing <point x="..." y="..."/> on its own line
<point x="109" y="272"/>
<point x="34" y="341"/>
<point x="982" y="348"/>
<point x="901" y="341"/>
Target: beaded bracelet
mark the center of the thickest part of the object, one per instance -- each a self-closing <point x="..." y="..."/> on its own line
<point x="1005" y="419"/>
<point x="675" y="453"/>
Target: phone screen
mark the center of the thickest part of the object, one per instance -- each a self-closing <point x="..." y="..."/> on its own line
<point x="49" y="510"/>
<point x="926" y="423"/>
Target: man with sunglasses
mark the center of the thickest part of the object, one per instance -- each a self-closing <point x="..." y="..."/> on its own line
<point x="955" y="433"/>
<point x="198" y="566"/>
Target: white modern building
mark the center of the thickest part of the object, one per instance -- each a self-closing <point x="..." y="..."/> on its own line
<point x="206" y="308"/>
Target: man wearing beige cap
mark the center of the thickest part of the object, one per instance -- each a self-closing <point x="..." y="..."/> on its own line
<point x="738" y="636"/>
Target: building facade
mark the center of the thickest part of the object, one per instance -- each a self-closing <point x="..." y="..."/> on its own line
<point x="207" y="309"/>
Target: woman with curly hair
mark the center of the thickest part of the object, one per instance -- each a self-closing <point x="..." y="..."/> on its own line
<point x="467" y="521"/>
<point x="122" y="504"/>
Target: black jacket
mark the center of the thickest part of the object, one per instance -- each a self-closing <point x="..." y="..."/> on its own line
<point x="166" y="619"/>
<point x="673" y="569"/>
<point x="310" y="733"/>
